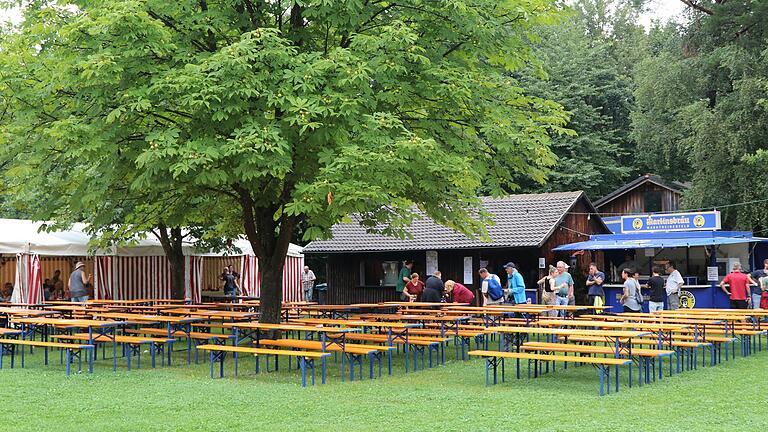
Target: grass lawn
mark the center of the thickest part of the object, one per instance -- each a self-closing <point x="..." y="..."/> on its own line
<point x="730" y="396"/>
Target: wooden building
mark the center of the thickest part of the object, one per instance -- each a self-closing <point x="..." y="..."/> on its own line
<point x="362" y="267"/>
<point x="648" y="193"/>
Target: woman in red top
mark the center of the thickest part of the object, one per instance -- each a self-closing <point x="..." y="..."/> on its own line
<point x="460" y="293"/>
<point x="739" y="284"/>
<point x="414" y="287"/>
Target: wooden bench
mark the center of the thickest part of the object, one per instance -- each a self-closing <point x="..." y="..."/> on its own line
<point x="306" y="358"/>
<point x="646" y="357"/>
<point x="415" y="343"/>
<point x="134" y="344"/>
<point x="688" y="349"/>
<point x="198" y="337"/>
<point x="211" y="325"/>
<point x="353" y="352"/>
<point x="462" y="338"/>
<point x="494" y="359"/>
<point x="73" y="351"/>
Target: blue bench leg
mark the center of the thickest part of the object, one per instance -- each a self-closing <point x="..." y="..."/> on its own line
<point x="69" y="360"/>
<point x="324" y="367"/>
<point x="303" y="372"/>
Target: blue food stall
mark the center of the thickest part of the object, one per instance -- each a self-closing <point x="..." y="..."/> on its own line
<point x="693" y="241"/>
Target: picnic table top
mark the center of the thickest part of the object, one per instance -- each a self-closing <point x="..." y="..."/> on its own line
<point x="357" y="323"/>
<point x="14" y="311"/>
<point x="148" y="318"/>
<point x="70" y="323"/>
<point x="569" y="332"/>
<point x="290" y="327"/>
<point x="610" y="324"/>
<point x="406" y="317"/>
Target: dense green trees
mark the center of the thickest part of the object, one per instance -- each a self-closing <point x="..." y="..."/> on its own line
<point x="702" y="110"/>
<point x="589" y="64"/>
<point x="267" y="115"/>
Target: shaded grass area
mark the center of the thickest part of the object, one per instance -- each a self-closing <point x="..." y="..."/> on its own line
<point x="732" y="395"/>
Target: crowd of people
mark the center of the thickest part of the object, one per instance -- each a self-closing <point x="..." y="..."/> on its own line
<point x="432" y="289"/>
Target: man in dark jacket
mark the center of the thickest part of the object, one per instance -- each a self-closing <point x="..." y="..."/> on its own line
<point x="433" y="288"/>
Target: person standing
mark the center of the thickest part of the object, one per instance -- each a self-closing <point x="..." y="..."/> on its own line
<point x="58" y="285"/>
<point x="308" y="283"/>
<point x="739" y="284"/>
<point x="548" y="290"/>
<point x="403" y="279"/>
<point x="563" y="286"/>
<point x="515" y="284"/>
<point x="673" y="286"/>
<point x="78" y="282"/>
<point x="493" y="294"/>
<point x="458" y="293"/>
<point x="413" y="289"/>
<point x="656" y="285"/>
<point x="230" y="282"/>
<point x="632" y="295"/>
<point x="757" y="291"/>
<point x="433" y="288"/>
<point x="595" y="282"/>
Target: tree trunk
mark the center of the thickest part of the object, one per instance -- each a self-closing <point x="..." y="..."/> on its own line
<point x="271" y="298"/>
<point x="269" y="239"/>
<point x="172" y="243"/>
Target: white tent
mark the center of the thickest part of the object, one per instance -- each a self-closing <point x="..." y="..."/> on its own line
<point x="140" y="270"/>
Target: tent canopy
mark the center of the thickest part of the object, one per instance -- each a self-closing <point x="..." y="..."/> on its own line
<point x="661" y="240"/>
<point x="24" y="236"/>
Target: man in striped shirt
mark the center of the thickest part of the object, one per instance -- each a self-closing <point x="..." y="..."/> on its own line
<point x="307" y="283"/>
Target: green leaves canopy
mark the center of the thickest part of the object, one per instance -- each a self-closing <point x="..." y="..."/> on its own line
<point x="291" y="112"/>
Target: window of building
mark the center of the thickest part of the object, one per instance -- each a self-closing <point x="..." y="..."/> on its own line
<point x="652" y="201"/>
<point x="375" y="272"/>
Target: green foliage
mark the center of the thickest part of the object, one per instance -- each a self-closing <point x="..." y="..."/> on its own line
<point x="589" y="60"/>
<point x="702" y="107"/>
<point x="266" y="116"/>
<point x="380" y="107"/>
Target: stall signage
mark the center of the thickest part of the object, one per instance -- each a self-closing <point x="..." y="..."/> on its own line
<point x="698" y="221"/>
<point x="687" y="300"/>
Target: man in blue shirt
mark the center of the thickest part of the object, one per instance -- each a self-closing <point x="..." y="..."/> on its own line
<point x="563" y="286"/>
<point x="515" y="284"/>
<point x="595" y="282"/>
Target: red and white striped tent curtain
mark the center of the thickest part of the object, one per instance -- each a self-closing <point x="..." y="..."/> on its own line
<point x="250" y="277"/>
<point x="28" y="287"/>
<point x="292" y="278"/>
<point x="143" y="277"/>
<point x="104" y="277"/>
<point x="193" y="280"/>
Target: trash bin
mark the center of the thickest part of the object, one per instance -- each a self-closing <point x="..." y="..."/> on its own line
<point x="322" y="291"/>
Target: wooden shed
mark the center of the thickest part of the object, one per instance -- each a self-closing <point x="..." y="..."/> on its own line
<point x="648" y="193"/>
<point x="363" y="267"/>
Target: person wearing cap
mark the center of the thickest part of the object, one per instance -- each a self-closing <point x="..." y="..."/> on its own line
<point x="515" y="284"/>
<point x="78" y="282"/>
<point x="563" y="286"/>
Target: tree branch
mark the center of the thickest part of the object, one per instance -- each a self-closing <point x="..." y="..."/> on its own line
<point x="698" y="7"/>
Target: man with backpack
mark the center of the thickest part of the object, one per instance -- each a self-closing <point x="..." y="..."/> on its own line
<point x="491" y="288"/>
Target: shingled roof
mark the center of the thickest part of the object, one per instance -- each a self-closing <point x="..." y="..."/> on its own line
<point x="676" y="187"/>
<point x="521" y="221"/>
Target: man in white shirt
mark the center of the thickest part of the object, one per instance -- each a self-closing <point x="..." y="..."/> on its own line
<point x="491" y="288"/>
<point x="307" y="283"/>
<point x="674" y="284"/>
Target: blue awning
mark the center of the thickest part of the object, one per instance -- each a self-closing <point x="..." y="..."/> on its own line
<point x="661" y="240"/>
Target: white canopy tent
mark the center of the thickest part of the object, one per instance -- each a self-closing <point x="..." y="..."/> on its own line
<point x="137" y="271"/>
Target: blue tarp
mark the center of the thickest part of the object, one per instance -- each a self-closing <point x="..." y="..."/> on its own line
<point x="662" y="240"/>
